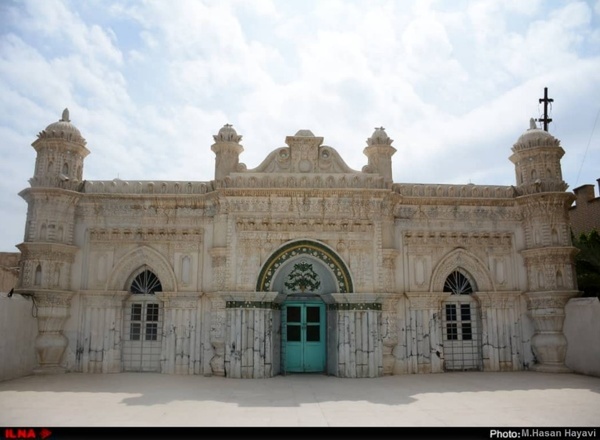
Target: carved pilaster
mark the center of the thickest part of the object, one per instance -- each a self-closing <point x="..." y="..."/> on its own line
<point x="217" y="334"/>
<point x="219" y="263"/>
<point x="389" y="269"/>
<point x="53" y="309"/>
<point x="547" y="310"/>
<point x="389" y="331"/>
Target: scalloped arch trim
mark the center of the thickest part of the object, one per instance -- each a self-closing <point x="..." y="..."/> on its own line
<point x="305" y="247"/>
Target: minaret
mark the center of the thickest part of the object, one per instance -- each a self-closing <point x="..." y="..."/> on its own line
<point x="227" y="149"/>
<point x="379" y="151"/>
<point x="548" y="253"/>
<point x="48" y="249"/>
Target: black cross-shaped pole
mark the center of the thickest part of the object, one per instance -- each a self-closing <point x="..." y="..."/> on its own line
<point x="546" y="120"/>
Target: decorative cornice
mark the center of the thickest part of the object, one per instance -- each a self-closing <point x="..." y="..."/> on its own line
<point x="291" y="181"/>
<point x="145" y="234"/>
<point x="455" y="238"/>
<point x="47" y="251"/>
<point x="252" y="305"/>
<point x="302" y="225"/>
<point x="454" y="191"/>
<point x="53" y="298"/>
<point x="563" y="254"/>
<point x="549" y="299"/>
<point x="147" y="187"/>
<point x="356" y="307"/>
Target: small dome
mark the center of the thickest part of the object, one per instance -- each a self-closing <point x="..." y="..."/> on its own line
<point x="379" y="137"/>
<point x="227" y="134"/>
<point x="63" y="129"/>
<point x="534" y="136"/>
<point x="305" y="133"/>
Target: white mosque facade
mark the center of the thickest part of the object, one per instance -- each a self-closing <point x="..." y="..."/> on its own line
<point x="299" y="265"/>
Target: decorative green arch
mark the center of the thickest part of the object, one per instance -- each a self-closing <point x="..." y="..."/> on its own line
<point x="310" y="248"/>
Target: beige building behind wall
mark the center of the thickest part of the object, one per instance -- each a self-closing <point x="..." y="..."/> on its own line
<point x="301" y="264"/>
<point x="585" y="213"/>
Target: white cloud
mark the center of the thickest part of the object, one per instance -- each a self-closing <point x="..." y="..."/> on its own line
<point x="52" y="18"/>
<point x="149" y="83"/>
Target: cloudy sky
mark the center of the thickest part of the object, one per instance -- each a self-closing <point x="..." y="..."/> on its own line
<point x="148" y="83"/>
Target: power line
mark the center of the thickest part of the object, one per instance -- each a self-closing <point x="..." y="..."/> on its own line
<point x="587" y="147"/>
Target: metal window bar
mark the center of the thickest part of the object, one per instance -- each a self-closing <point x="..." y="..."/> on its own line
<point x="461" y="329"/>
<point x="461" y="333"/>
<point x="142" y="344"/>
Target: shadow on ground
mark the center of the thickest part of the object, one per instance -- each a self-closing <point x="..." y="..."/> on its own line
<point x="141" y="389"/>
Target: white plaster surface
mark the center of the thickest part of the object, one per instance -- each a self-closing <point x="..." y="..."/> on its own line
<point x="521" y="398"/>
<point x="19" y="330"/>
<point x="582" y="330"/>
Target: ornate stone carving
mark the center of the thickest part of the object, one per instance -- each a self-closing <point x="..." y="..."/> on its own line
<point x="217" y="334"/>
<point x="389" y="268"/>
<point x="219" y="262"/>
<point x="308" y="247"/>
<point x="453" y="191"/>
<point x="389" y="331"/>
<point x="53" y="308"/>
<point x="549" y="345"/>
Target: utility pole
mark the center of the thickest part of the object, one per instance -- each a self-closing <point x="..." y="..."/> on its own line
<point x="546" y="120"/>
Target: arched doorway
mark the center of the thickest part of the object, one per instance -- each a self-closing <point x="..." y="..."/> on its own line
<point x="142" y="333"/>
<point x="304" y="273"/>
<point x="461" y="328"/>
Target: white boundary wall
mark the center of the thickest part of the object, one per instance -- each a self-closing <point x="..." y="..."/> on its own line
<point x="18" y="330"/>
<point x="582" y="329"/>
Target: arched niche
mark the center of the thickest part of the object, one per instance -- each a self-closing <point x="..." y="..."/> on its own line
<point x="139" y="257"/>
<point x="461" y="259"/>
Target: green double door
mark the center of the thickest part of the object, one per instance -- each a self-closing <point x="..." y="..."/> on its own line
<point x="303" y="337"/>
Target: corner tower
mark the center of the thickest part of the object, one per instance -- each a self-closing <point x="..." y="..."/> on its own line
<point x="548" y="254"/>
<point x="48" y="249"/>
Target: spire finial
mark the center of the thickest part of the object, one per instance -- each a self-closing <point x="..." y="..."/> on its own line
<point x="65" y="115"/>
<point x="532" y="124"/>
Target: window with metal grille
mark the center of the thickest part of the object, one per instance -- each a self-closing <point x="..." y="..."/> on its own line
<point x="459" y="326"/>
<point x="135" y="327"/>
<point x="144" y="318"/>
<point x="151" y="322"/>
<point x="451" y="325"/>
<point x="145" y="282"/>
<point x="458" y="284"/>
<point x="458" y="316"/>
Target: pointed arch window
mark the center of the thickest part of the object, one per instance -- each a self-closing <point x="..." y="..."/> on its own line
<point x="458" y="284"/>
<point x="145" y="283"/>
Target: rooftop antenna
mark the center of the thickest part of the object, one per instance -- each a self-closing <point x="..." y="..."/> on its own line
<point x="546" y="120"/>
